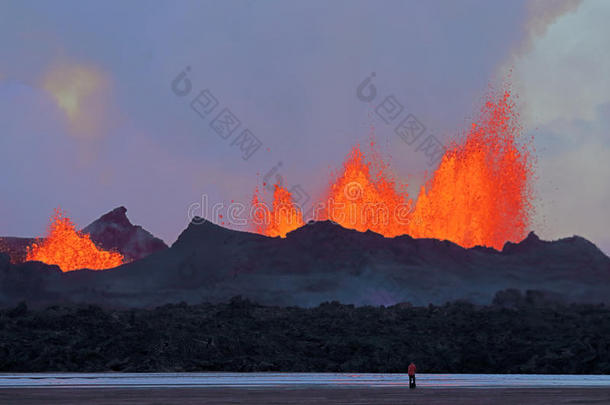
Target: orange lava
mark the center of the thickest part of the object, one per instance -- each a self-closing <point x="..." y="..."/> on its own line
<point x="283" y="217"/>
<point x="364" y="197"/>
<point x="480" y="194"/>
<point x="71" y="249"/>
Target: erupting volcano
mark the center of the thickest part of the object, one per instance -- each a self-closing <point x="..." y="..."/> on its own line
<point x="480" y="194"/>
<point x="283" y="218"/>
<point x="364" y="197"/>
<point x="71" y="249"/>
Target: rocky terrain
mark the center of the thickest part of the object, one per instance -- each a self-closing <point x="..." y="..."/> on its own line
<point x="113" y="231"/>
<point x="518" y="333"/>
<point x="316" y="263"/>
<point x="15" y="248"/>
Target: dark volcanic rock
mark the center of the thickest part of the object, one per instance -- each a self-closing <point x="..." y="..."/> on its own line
<point x="114" y="231"/>
<point x="242" y="336"/>
<point x="33" y="281"/>
<point x="324" y="262"/>
<point x="513" y="298"/>
<point x="16" y="248"/>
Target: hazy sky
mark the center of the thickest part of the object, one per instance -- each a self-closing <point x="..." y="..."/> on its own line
<point x="89" y="121"/>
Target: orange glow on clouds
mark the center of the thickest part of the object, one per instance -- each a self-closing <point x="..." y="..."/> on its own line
<point x="80" y="92"/>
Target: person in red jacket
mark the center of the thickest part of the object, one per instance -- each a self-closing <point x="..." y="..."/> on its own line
<point x="411" y="371"/>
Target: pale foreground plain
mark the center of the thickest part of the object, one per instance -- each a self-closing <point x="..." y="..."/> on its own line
<point x="313" y="395"/>
<point x="300" y="388"/>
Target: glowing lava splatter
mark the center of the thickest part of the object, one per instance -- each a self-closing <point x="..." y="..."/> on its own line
<point x="479" y="195"/>
<point x="282" y="218"/>
<point x="481" y="192"/>
<point x="71" y="249"/>
<point x="364" y="197"/>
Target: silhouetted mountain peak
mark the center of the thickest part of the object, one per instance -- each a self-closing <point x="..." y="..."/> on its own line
<point x="201" y="230"/>
<point x="531" y="241"/>
<point x="316" y="230"/>
<point x="114" y="231"/>
<point x="582" y="245"/>
<point x="316" y="227"/>
<point x="117" y="216"/>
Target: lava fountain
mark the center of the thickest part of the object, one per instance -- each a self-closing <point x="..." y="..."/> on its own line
<point x="365" y="197"/>
<point x="283" y="217"/>
<point x="480" y="194"/>
<point x="71" y="249"/>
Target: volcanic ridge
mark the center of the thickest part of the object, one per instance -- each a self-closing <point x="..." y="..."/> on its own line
<point x="319" y="262"/>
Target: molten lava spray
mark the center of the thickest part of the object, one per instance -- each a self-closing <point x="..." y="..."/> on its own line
<point x="481" y="192"/>
<point x="479" y="195"/>
<point x="282" y="218"/>
<point x="364" y="197"/>
<point x="71" y="249"/>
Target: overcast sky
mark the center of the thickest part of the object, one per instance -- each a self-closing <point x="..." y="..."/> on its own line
<point x="89" y="120"/>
